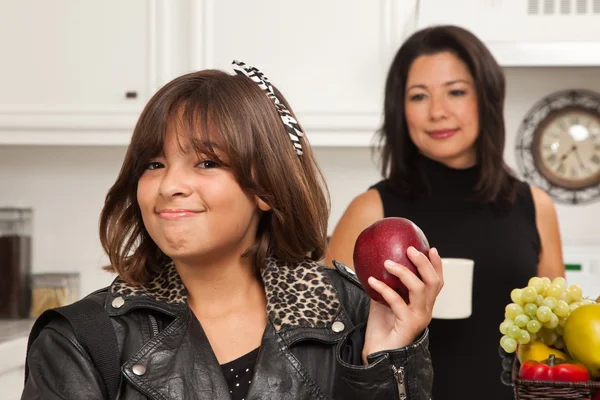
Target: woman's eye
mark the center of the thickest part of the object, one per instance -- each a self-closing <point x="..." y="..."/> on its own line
<point x="153" y="165"/>
<point x="206" y="164"/>
<point x="457" y="92"/>
<point x="417" y="97"/>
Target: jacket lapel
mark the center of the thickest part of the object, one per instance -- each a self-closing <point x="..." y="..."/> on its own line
<point x="179" y="364"/>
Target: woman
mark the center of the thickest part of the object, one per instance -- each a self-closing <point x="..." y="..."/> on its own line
<point x="443" y="142"/>
<point x="214" y="226"/>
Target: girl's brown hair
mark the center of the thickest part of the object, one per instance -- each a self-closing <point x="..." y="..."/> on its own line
<point x="259" y="153"/>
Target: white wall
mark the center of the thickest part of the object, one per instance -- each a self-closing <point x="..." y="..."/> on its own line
<point x="526" y="86"/>
<point x="66" y="185"/>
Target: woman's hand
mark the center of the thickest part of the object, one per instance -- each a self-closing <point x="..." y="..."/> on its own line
<point x="398" y="325"/>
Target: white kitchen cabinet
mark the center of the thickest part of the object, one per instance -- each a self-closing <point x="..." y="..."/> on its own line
<point x="79" y="71"/>
<point x="329" y="58"/>
<point x="70" y="64"/>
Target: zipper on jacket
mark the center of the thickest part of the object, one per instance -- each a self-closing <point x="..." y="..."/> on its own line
<point x="154" y="325"/>
<point x="399" y="375"/>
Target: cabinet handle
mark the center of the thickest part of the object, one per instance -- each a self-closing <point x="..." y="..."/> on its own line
<point x="131" y="95"/>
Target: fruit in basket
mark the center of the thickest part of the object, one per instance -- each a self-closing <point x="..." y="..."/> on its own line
<point x="582" y="336"/>
<point x="538" y="351"/>
<point x="539" y="312"/>
<point x="387" y="239"/>
<point x="554" y="369"/>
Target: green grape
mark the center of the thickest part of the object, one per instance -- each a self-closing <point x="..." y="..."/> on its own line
<point x="505" y="325"/>
<point x="515" y="296"/>
<point x="574" y="293"/>
<point x="521" y="320"/>
<point x="529" y="294"/>
<point x="554" y="291"/>
<point x="539" y="300"/>
<point x="534" y="326"/>
<point x="524" y="337"/>
<point x="552" y="323"/>
<point x="564" y="296"/>
<point x="512" y="310"/>
<point x="533" y="336"/>
<point x="560" y="281"/>
<point x="544" y="314"/>
<point x="537" y="284"/>
<point x="559" y="329"/>
<point x="508" y="344"/>
<point x="561" y="309"/>
<point x="559" y="344"/>
<point x="546" y="281"/>
<point x="513" y="331"/>
<point x="530" y="309"/>
<point x="549" y="302"/>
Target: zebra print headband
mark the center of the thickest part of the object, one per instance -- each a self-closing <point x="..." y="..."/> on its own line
<point x="290" y="123"/>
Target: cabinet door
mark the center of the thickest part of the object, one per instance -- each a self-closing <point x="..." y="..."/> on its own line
<point x="73" y="53"/>
<point x="329" y="58"/>
<point x="75" y="63"/>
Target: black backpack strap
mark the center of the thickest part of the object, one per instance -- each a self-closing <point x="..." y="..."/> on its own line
<point x="94" y="331"/>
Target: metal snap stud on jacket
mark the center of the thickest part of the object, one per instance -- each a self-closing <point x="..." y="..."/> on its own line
<point x="118" y="302"/>
<point x="138" y="369"/>
<point x="338" y="326"/>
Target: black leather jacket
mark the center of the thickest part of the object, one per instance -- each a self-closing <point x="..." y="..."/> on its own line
<point x="313" y="313"/>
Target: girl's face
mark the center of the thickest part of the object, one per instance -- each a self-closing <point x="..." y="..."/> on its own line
<point x="441" y="109"/>
<point x="193" y="207"/>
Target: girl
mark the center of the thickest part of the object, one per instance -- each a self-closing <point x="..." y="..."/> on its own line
<point x="215" y="226"/>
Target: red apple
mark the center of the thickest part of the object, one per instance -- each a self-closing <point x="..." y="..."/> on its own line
<point x="387" y="239"/>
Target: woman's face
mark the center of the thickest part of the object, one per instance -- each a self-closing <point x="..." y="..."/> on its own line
<point x="441" y="109"/>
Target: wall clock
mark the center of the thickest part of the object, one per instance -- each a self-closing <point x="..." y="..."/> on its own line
<point x="558" y="146"/>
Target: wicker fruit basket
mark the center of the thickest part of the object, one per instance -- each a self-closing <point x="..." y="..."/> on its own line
<point x="526" y="389"/>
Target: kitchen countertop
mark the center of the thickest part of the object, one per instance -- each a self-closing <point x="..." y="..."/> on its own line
<point x="11" y="329"/>
<point x="13" y="343"/>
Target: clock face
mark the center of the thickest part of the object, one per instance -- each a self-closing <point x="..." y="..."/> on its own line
<point x="566" y="149"/>
<point x="558" y="146"/>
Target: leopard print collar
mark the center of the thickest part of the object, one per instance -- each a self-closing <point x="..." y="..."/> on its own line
<point x="297" y="296"/>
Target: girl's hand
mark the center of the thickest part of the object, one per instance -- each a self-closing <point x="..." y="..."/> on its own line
<point x="396" y="326"/>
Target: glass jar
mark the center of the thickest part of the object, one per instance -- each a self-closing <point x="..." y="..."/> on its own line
<point x="15" y="262"/>
<point x="51" y="290"/>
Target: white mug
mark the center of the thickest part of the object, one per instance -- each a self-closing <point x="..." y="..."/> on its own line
<point x="455" y="298"/>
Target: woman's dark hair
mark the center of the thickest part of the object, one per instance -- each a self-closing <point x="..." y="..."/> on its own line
<point x="400" y="157"/>
<point x="260" y="155"/>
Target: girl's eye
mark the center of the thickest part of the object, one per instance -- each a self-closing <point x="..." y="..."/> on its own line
<point x="206" y="164"/>
<point x="154" y="165"/>
<point x="457" y="92"/>
<point x="417" y="97"/>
